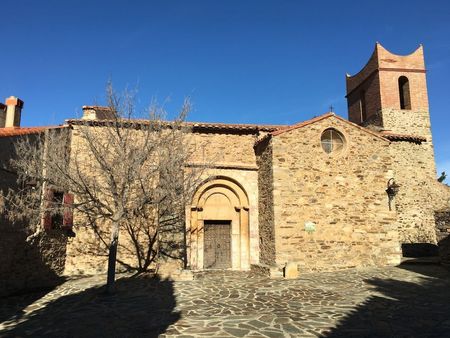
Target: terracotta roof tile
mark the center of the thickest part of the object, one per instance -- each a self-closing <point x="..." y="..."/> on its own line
<point x="403" y="137"/>
<point x="200" y="125"/>
<point x="196" y="125"/>
<point x="236" y="126"/>
<point x="273" y="130"/>
<point x="7" y="132"/>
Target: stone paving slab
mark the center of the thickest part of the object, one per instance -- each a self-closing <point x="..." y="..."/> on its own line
<point x="406" y="301"/>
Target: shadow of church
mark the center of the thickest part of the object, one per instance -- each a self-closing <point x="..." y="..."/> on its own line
<point x="140" y="306"/>
<point x="403" y="308"/>
<point x="26" y="274"/>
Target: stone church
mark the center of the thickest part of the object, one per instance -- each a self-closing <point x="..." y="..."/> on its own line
<point x="323" y="194"/>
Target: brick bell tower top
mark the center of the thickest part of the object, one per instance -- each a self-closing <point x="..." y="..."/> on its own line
<point x="388" y="82"/>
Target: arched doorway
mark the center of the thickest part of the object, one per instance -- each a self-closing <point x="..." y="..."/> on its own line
<point x="218" y="233"/>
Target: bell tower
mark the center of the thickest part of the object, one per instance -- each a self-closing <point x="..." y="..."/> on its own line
<point x="390" y="93"/>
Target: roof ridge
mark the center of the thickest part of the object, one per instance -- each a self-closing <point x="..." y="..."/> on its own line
<point x="212" y="125"/>
<point x="367" y="130"/>
<point x="303" y="123"/>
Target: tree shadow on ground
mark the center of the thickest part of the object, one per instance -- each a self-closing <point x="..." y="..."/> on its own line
<point x="140" y="306"/>
<point x="403" y="308"/>
<point x="12" y="306"/>
<point x="28" y="271"/>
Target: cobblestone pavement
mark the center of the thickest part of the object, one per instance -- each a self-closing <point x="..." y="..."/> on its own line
<point x="410" y="301"/>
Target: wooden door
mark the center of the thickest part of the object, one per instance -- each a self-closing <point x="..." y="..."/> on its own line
<point x="217" y="254"/>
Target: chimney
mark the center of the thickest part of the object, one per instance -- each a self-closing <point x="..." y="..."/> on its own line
<point x="14" y="107"/>
<point x="98" y="113"/>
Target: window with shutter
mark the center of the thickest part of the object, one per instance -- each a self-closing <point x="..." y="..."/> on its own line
<point x="46" y="220"/>
<point x="57" y="209"/>
<point x="68" y="211"/>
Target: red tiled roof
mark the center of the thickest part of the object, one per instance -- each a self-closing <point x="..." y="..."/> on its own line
<point x="235" y="126"/>
<point x="273" y="130"/>
<point x="6" y="132"/>
<point x="211" y="126"/>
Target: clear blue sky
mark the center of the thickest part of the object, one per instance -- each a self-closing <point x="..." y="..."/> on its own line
<point x="240" y="61"/>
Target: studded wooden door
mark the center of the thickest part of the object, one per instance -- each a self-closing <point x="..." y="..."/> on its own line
<point x="217" y="254"/>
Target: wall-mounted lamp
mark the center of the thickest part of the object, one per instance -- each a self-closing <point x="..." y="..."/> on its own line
<point x="391" y="191"/>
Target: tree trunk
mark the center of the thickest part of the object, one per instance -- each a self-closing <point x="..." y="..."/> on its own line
<point x="112" y="257"/>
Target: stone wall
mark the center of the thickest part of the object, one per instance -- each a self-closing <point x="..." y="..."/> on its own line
<point x="224" y="148"/>
<point x="87" y="252"/>
<point x="441" y="196"/>
<point x="443" y="235"/>
<point x="409" y="122"/>
<point x="229" y="154"/>
<point x="415" y="173"/>
<point x="265" y="205"/>
<point x="414" y="166"/>
<point x="26" y="265"/>
<point x="342" y="194"/>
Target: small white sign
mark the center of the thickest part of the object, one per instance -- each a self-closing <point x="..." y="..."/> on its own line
<point x="310" y="226"/>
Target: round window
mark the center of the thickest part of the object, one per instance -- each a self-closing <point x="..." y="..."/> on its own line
<point x="332" y="141"/>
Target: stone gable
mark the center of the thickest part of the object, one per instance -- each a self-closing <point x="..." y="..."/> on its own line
<point x="343" y="195"/>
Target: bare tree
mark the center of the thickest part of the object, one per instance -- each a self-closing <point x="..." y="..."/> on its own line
<point x="120" y="175"/>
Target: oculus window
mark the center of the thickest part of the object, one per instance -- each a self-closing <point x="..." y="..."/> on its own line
<point x="332" y="141"/>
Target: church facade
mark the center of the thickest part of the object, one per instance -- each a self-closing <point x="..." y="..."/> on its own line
<point x="323" y="194"/>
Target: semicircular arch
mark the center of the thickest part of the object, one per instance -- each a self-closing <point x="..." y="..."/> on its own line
<point x="213" y="183"/>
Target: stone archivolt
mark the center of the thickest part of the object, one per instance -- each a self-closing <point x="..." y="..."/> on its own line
<point x="220" y="199"/>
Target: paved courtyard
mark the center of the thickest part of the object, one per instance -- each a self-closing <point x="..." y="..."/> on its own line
<point x="409" y="301"/>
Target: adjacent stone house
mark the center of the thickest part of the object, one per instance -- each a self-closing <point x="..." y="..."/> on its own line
<point x="24" y="265"/>
<point x="323" y="194"/>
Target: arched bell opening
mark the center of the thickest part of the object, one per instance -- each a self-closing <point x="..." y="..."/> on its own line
<point x="218" y="233"/>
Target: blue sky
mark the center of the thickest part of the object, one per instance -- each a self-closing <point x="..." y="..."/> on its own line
<point x="240" y="61"/>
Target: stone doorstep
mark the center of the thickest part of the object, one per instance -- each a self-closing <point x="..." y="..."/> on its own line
<point x="271" y="271"/>
<point x="177" y="275"/>
<point x="276" y="273"/>
<point x="290" y="271"/>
